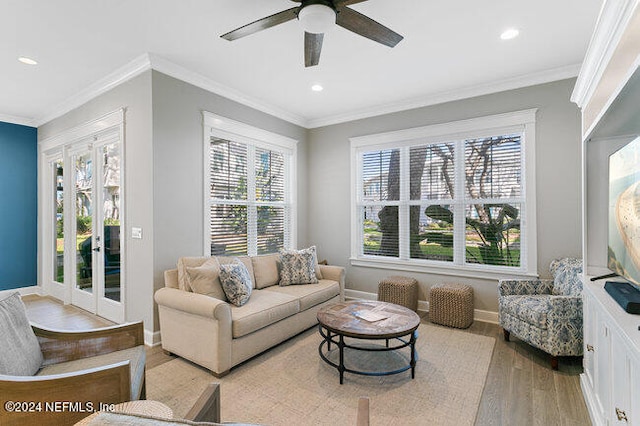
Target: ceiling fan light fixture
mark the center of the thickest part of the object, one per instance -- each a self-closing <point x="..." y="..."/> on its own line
<point x="317" y="18"/>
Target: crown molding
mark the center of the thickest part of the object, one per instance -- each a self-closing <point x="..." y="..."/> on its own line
<point x="532" y="79"/>
<point x="14" y="119"/>
<point x="127" y="72"/>
<point x="612" y="21"/>
<point x="171" y="69"/>
<point x="149" y="61"/>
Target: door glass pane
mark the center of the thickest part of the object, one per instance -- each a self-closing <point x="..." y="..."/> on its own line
<point x="111" y="213"/>
<point x="84" y="212"/>
<point x="58" y="269"/>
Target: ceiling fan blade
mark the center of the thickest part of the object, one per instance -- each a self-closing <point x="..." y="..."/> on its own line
<point x="341" y="3"/>
<point x="367" y="27"/>
<point x="262" y="24"/>
<point x="312" y="48"/>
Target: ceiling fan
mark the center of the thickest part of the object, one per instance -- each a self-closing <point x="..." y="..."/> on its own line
<point x="317" y="17"/>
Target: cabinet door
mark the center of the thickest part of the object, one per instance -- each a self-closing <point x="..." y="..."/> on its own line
<point x="589" y="315"/>
<point x="634" y="366"/>
<point x="620" y="409"/>
<point x="602" y="377"/>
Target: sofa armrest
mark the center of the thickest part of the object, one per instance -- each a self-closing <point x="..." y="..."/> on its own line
<point x="335" y="273"/>
<point x="193" y="303"/>
<point x="523" y="287"/>
<point x="565" y="326"/>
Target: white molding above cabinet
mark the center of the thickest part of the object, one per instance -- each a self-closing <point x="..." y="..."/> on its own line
<point x="612" y="58"/>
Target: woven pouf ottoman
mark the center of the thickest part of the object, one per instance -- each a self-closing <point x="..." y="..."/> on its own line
<point x="451" y="305"/>
<point x="399" y="290"/>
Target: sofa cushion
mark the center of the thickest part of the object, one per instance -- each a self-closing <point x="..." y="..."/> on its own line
<point x="532" y="309"/>
<point x="205" y="279"/>
<point x="298" y="266"/>
<point x="20" y="353"/>
<point x="265" y="269"/>
<point x="264" y="308"/>
<point x="136" y="357"/>
<point x="310" y="295"/>
<point x="236" y="283"/>
<point x="566" y="281"/>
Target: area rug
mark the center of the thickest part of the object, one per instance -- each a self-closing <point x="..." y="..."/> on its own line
<point x="291" y="385"/>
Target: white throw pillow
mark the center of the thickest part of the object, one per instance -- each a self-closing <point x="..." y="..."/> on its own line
<point x="20" y="353"/>
<point x="205" y="279"/>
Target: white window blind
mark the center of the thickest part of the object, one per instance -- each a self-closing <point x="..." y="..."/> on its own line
<point x="443" y="200"/>
<point x="249" y="198"/>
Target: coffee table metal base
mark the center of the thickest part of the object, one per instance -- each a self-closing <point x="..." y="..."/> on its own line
<point x="338" y="340"/>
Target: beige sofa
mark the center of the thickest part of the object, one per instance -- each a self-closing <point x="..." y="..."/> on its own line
<point x="217" y="335"/>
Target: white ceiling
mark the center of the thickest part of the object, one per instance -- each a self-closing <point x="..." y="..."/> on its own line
<point x="450" y="50"/>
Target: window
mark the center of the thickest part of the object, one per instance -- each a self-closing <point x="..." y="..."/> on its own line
<point x="454" y="198"/>
<point x="249" y="203"/>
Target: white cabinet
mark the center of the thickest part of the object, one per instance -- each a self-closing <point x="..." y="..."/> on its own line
<point x="611" y="378"/>
<point x="608" y="94"/>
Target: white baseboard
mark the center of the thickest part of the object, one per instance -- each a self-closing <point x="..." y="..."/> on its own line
<point x="151" y="338"/>
<point x="34" y="289"/>
<point x="423" y="306"/>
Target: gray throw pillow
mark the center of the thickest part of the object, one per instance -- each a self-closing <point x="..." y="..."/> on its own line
<point x="298" y="266"/>
<point x="236" y="282"/>
<point x="20" y="353"/>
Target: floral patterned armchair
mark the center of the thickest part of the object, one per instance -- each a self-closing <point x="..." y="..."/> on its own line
<point x="547" y="313"/>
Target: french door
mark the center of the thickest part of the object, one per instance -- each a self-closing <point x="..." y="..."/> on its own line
<point x="85" y="263"/>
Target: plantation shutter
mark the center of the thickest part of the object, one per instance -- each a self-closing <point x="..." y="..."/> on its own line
<point x="379" y="207"/>
<point x="228" y="192"/>
<point x="272" y="218"/>
<point x="250" y="208"/>
<point x="493" y="193"/>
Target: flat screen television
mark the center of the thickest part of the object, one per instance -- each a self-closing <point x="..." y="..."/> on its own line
<point x="624" y="212"/>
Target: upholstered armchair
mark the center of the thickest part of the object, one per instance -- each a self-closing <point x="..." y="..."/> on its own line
<point x="56" y="377"/>
<point x="545" y="313"/>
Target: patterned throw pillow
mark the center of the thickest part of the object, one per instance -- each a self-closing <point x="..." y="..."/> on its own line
<point x="566" y="279"/>
<point x="236" y="282"/>
<point x="298" y="266"/>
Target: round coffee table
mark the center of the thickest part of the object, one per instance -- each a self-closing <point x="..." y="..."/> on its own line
<point x="367" y="320"/>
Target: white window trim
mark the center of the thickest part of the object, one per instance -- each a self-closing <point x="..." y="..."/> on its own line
<point x="518" y="121"/>
<point x="225" y="128"/>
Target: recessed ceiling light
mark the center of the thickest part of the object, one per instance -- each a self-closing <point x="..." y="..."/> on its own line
<point x="317" y="88"/>
<point x="509" y="34"/>
<point x="27" y="61"/>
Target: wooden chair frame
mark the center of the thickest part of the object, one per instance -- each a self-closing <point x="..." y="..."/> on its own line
<point x="67" y="398"/>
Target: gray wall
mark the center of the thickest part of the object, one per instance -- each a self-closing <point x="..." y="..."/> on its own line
<point x="164" y="173"/>
<point x="135" y="96"/>
<point x="178" y="161"/>
<point x="557" y="178"/>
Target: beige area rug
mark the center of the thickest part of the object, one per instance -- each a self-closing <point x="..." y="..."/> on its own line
<point x="291" y="385"/>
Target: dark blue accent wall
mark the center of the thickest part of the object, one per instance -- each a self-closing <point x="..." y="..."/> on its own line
<point x="18" y="206"/>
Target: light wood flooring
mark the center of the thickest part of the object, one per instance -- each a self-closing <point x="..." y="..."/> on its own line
<point x="521" y="389"/>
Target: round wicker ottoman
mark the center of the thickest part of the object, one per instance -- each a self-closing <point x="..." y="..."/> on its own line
<point x="451" y="305"/>
<point x="399" y="290"/>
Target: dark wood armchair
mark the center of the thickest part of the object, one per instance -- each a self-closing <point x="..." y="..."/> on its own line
<point x="108" y="357"/>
